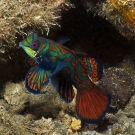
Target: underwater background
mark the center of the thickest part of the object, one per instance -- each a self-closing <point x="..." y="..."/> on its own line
<point x="103" y="28"/>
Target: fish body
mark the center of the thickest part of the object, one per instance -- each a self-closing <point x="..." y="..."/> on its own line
<point x="50" y="60"/>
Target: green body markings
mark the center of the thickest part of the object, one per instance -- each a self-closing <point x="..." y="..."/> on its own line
<point x="65" y="68"/>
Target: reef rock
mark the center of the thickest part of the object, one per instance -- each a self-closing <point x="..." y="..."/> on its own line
<point x="119" y="84"/>
<point x="48" y="101"/>
<point x="121" y="13"/>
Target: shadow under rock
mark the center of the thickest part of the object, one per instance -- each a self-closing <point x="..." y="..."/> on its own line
<point x="94" y="35"/>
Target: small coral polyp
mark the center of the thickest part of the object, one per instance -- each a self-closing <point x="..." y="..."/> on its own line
<point x="118" y="3"/>
<point x="129" y="15"/>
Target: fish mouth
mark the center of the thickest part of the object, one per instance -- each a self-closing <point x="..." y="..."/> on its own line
<point x="28" y="50"/>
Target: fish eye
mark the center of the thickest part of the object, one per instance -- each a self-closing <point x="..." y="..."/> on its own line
<point x="35" y="45"/>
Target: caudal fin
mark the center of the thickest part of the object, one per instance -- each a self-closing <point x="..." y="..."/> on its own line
<point x="92" y="103"/>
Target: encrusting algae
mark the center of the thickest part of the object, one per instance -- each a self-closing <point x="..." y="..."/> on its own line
<point x="121" y="13"/>
<point x="35" y="14"/>
<point x="126" y="9"/>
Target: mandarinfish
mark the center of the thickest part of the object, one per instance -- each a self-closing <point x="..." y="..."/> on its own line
<point x="65" y="68"/>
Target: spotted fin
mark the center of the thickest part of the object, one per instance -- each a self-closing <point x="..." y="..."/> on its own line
<point x="30" y="62"/>
<point x="62" y="40"/>
<point x="36" y="78"/>
<point x="93" y="66"/>
<point x="92" y="103"/>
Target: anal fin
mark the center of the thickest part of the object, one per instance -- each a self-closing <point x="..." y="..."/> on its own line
<point x="65" y="90"/>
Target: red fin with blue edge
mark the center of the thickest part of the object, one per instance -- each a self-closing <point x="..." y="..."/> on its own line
<point x="92" y="103"/>
<point x="65" y="90"/>
<point x="92" y="64"/>
<point x="36" y="78"/>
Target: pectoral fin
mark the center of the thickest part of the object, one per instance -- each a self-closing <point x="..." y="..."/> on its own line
<point x="30" y="62"/>
<point x="36" y="78"/>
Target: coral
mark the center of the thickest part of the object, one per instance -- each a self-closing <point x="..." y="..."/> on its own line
<point x="18" y="97"/>
<point x="48" y="101"/>
<point x="44" y="126"/>
<point x="130" y="108"/>
<point x="15" y="16"/>
<point x="119" y="84"/>
<point x="125" y="9"/>
<point x="89" y="133"/>
<point x="18" y="124"/>
<point x="24" y="113"/>
<point x="129" y="15"/>
<point x="121" y="13"/>
<point x="11" y="124"/>
<point x="60" y="126"/>
<point x="118" y="3"/>
<point x="125" y="123"/>
<point x="111" y="118"/>
<point x="15" y="94"/>
<point x="76" y="124"/>
<point x="64" y="121"/>
<point x="19" y="18"/>
<point x="128" y="65"/>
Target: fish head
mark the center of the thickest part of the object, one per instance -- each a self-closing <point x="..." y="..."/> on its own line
<point x="31" y="44"/>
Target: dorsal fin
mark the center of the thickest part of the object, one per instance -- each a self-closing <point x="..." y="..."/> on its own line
<point x="92" y="64"/>
<point x="62" y="39"/>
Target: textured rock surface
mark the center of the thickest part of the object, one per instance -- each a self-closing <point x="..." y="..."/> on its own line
<point x="46" y="113"/>
<point x="119" y="84"/>
<point x="48" y="101"/>
<point x="27" y="16"/>
<point x="128" y="65"/>
<point x="121" y="14"/>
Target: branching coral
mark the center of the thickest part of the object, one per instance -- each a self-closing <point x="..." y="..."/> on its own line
<point x="20" y="14"/>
